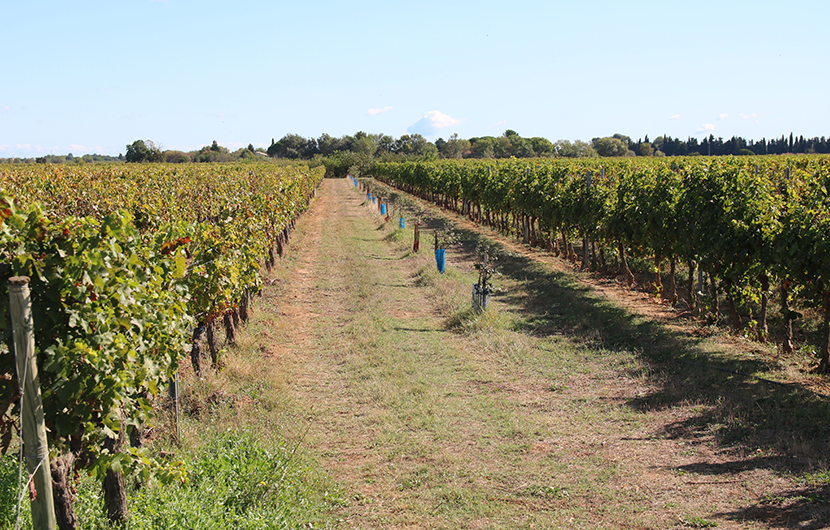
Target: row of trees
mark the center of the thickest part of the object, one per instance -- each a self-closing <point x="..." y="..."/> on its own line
<point x="508" y="145"/>
<point x="147" y="151"/>
<point x="512" y="145"/>
<point x="63" y="159"/>
<point x="621" y="145"/>
<point x="294" y="146"/>
<point x="739" y="146"/>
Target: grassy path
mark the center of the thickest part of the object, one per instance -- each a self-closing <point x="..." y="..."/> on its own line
<point x="547" y="412"/>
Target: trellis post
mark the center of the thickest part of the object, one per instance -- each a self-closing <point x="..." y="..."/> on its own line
<point x="35" y="447"/>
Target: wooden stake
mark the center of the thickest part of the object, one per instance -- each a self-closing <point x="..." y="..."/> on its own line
<point x="35" y="445"/>
<point x="585" y="241"/>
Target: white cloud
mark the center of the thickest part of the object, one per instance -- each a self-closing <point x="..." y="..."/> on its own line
<point x="706" y="128"/>
<point x="675" y="117"/>
<point x="375" y="112"/>
<point x="749" y="116"/>
<point x="722" y="116"/>
<point x="432" y="122"/>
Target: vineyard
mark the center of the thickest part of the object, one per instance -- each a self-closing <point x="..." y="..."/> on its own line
<point x="757" y="227"/>
<point x="139" y="272"/>
<point x="129" y="267"/>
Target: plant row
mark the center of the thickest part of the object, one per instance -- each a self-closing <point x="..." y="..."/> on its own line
<point x="758" y="226"/>
<point x="129" y="266"/>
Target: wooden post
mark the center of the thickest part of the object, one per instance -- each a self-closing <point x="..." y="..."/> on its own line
<point x="585" y="228"/>
<point x="35" y="446"/>
<point x="173" y="394"/>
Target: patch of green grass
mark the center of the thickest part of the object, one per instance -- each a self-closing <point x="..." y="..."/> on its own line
<point x="822" y="478"/>
<point x="397" y="235"/>
<point x="545" y="492"/>
<point x="415" y="480"/>
<point x="694" y="521"/>
<point x="236" y="480"/>
<point x="8" y="489"/>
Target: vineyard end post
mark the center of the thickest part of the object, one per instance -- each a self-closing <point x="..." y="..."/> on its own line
<point x="35" y="446"/>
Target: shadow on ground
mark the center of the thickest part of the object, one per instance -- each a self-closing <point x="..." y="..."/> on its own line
<point x="746" y="416"/>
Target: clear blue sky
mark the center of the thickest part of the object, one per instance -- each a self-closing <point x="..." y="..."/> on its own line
<point x="93" y="76"/>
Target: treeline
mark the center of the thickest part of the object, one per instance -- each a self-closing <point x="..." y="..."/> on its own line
<point x="510" y="144"/>
<point x="385" y="147"/>
<point x="739" y="146"/>
<point x="63" y="159"/>
<point x="147" y="151"/>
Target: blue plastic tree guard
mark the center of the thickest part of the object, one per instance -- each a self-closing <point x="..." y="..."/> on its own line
<point x="439" y="260"/>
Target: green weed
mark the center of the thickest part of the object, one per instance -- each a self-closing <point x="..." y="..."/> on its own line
<point x="698" y="522"/>
<point x="8" y="489"/>
<point x="545" y="492"/>
<point x="234" y="481"/>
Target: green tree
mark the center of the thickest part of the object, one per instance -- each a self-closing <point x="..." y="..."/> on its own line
<point x="176" y="157"/>
<point x="327" y="145"/>
<point x="141" y="151"/>
<point x="415" y="145"/>
<point x="541" y="146"/>
<point x="213" y="153"/>
<point x="364" y="145"/>
<point x="293" y="146"/>
<point x="453" y="148"/>
<point x="609" y="146"/>
<point x="385" y="144"/>
<point x="575" y="149"/>
<point x="483" y="147"/>
<point x="503" y="146"/>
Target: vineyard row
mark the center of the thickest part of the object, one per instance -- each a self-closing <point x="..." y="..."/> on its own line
<point x="758" y="226"/>
<point x="129" y="267"/>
